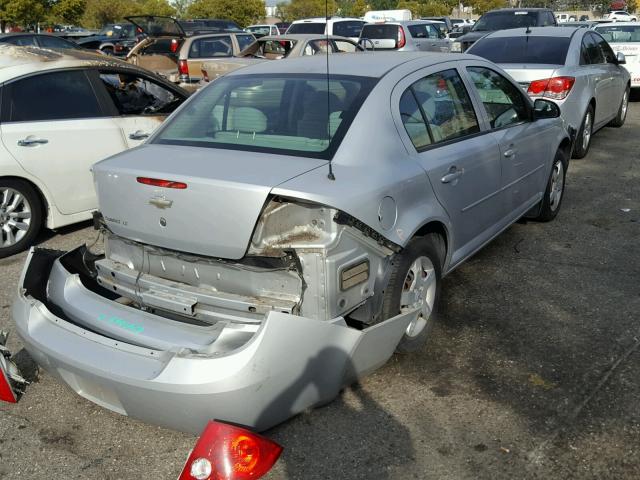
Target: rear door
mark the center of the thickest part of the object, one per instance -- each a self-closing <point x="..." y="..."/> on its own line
<point x="601" y="78"/>
<point x="137" y="104"/>
<point x="56" y="128"/>
<point x="462" y="163"/>
<point x="616" y="82"/>
<point x="524" y="151"/>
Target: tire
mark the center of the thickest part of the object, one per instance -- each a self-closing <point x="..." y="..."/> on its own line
<point x="622" y="110"/>
<point x="107" y="50"/>
<point x="20" y="205"/>
<point x="586" y="128"/>
<point x="554" y="193"/>
<point x="422" y="253"/>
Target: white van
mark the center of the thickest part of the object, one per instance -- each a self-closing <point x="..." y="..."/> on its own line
<point x="373" y="16"/>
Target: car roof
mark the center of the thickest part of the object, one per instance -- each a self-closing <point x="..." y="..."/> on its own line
<point x="535" y="32"/>
<point x="17" y="61"/>
<point x="324" y="20"/>
<point x="300" y="37"/>
<point x="405" y="22"/>
<point x="617" y="24"/>
<point x="362" y="65"/>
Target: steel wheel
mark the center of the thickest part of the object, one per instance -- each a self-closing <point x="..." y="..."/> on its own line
<point x="15" y="216"/>
<point x="557" y="185"/>
<point x="419" y="290"/>
<point x="625" y="105"/>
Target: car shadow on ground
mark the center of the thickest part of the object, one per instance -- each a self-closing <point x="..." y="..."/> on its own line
<point x="46" y="234"/>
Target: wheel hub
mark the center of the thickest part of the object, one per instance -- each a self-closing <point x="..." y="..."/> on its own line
<point x="419" y="291"/>
<point x="15" y="216"/>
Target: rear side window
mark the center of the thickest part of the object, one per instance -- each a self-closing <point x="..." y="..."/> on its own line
<point x="504" y="102"/>
<point x="310" y="27"/>
<point x="523" y="49"/>
<point x="53" y="96"/>
<point x="444" y="107"/>
<point x="21" y="40"/>
<point x="350" y="28"/>
<point x="591" y="52"/>
<point x="211" y="47"/>
<point x="244" y="41"/>
<point x="609" y="56"/>
<point x="135" y="95"/>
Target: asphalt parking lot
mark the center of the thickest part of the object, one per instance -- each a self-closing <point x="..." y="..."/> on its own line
<point x="532" y="371"/>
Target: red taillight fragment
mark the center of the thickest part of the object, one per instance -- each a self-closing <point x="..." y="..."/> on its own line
<point x="402" y="41"/>
<point x="556" y="88"/>
<point x="227" y="452"/>
<point x="6" y="392"/>
<point x="183" y="67"/>
<point x="157" y="182"/>
<point x="174" y="45"/>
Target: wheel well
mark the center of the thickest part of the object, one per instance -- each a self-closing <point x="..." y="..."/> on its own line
<point x="565" y="146"/>
<point x="439" y="229"/>
<point x="43" y="200"/>
<point x="592" y="102"/>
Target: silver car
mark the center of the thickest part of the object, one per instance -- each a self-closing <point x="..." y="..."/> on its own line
<point x="405" y="36"/>
<point x="286" y="232"/>
<point x="574" y="67"/>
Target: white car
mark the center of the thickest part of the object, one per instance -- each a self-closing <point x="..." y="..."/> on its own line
<point x="620" y="16"/>
<point x="262" y="30"/>
<point x="342" y="27"/>
<point x="625" y="38"/>
<point x="62" y="111"/>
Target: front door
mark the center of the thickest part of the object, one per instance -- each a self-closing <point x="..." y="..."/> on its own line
<point x="54" y="127"/>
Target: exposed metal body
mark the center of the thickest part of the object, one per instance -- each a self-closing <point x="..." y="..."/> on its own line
<point x="258" y="292"/>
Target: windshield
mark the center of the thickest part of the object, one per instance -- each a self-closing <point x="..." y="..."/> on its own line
<point x="309" y="27"/>
<point x="504" y="20"/>
<point x="620" y="33"/>
<point x="281" y="113"/>
<point x="524" y="49"/>
<point x="380" y="31"/>
<point x="259" y="30"/>
<point x="348" y="28"/>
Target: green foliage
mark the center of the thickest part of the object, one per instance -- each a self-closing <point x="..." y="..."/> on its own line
<point x="426" y="8"/>
<point x="100" y="12"/>
<point x="383" y="4"/>
<point x="298" y="9"/>
<point x="243" y="12"/>
<point x="23" y="12"/>
<point x="68" y="12"/>
<point x="483" y="6"/>
<point x="352" y="8"/>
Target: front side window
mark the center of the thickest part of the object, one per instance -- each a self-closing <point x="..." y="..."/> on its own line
<point x="424" y="31"/>
<point x="342" y="46"/>
<point x="135" y="95"/>
<point x="607" y="53"/>
<point x="244" y="41"/>
<point x="314" y="47"/>
<point x="593" y="51"/>
<point x="211" y="47"/>
<point x="285" y="113"/>
<point x="504" y="102"/>
<point x="275" y="48"/>
<point x="53" y="96"/>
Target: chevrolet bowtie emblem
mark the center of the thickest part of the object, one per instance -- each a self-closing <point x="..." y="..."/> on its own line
<point x="161" y="202"/>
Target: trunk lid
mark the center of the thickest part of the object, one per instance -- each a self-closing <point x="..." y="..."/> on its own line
<point x="213" y="216"/>
<point x="525" y="74"/>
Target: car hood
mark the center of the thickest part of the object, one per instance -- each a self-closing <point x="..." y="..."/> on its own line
<point x="216" y="212"/>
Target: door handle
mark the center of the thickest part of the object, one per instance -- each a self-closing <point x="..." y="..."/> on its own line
<point x="31" y="141"/>
<point x="509" y="153"/>
<point x="453" y="175"/>
<point x="138" y="135"/>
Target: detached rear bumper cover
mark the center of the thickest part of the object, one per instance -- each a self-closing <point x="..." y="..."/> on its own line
<point x="290" y="364"/>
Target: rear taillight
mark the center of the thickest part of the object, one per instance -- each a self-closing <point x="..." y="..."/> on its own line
<point x="402" y="41"/>
<point x="157" y="182"/>
<point x="118" y="47"/>
<point x="183" y="67"/>
<point x="174" y="45"/>
<point x="227" y="452"/>
<point x="6" y="392"/>
<point x="556" y="88"/>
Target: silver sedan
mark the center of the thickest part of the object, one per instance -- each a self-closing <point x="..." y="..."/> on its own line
<point x="574" y="67"/>
<point x="286" y="232"/>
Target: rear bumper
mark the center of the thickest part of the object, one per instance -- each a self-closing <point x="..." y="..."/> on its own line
<point x="290" y="364"/>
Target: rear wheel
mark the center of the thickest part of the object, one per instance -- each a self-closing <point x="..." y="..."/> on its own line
<point x="583" y="140"/>
<point x="622" y="110"/>
<point x="415" y="283"/>
<point x="550" y="203"/>
<point x="20" y="216"/>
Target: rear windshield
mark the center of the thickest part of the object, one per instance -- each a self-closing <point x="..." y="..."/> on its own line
<point x="380" y="32"/>
<point x="310" y="27"/>
<point x="348" y="28"/>
<point x="506" y="20"/>
<point x="524" y="49"/>
<point x="620" y="33"/>
<point x="286" y="114"/>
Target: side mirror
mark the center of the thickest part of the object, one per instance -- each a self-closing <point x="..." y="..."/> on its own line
<point x="545" y="109"/>
<point x="621" y="58"/>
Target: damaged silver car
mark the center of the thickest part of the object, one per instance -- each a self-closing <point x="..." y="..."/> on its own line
<point x="285" y="232"/>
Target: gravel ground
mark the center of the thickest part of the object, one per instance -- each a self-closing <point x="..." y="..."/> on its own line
<point x="532" y="371"/>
